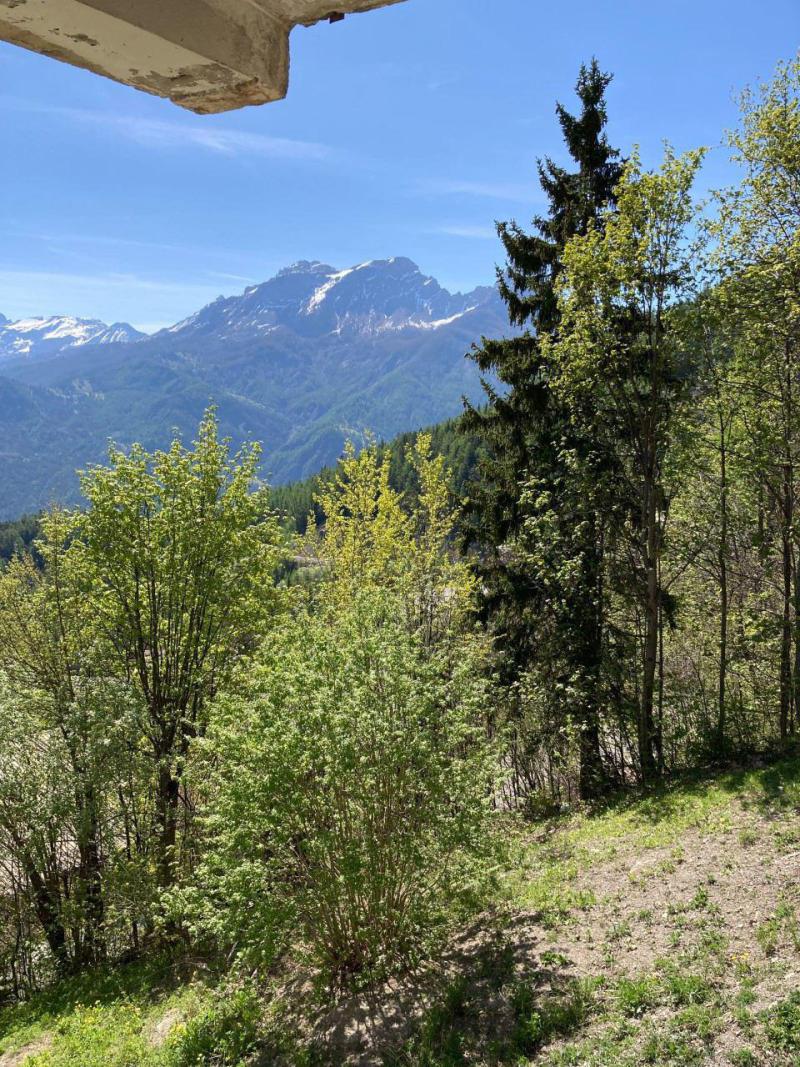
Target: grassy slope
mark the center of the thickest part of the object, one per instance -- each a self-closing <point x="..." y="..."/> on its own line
<point x="660" y="930"/>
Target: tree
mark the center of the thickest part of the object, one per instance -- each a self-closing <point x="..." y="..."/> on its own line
<point x="47" y="651"/>
<point x="620" y="357"/>
<point x="347" y="780"/>
<point x="758" y="255"/>
<point x="549" y="619"/>
<point x="177" y="554"/>
<point x="367" y="534"/>
<point x="347" y="790"/>
<point x="375" y="536"/>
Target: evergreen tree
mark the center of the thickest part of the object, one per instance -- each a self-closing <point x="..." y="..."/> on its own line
<point x="537" y="534"/>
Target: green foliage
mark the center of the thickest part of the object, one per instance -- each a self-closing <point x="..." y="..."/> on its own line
<point x="296" y="501"/>
<point x="782" y="1024"/>
<point x="450" y="1034"/>
<point x="539" y="1019"/>
<point x="538" y="531"/>
<point x="347" y="778"/>
<point x="177" y="552"/>
<point x="440" y="1042"/>
<point x="635" y="996"/>
<point x="622" y="371"/>
<point x="18" y="537"/>
<point x="223" y="1033"/>
<point x="193" y="751"/>
<point x="109" y="649"/>
<point x="348" y="791"/>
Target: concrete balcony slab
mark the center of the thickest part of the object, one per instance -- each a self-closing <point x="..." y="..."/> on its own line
<point x="204" y="55"/>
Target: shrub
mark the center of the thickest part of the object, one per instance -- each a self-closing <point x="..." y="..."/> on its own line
<point x="223" y="1033"/>
<point x="541" y="1018"/>
<point x="348" y="788"/>
<point x="635" y="996"/>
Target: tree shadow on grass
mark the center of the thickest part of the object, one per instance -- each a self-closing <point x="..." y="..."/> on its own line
<point x="766" y="782"/>
<point x="495" y="995"/>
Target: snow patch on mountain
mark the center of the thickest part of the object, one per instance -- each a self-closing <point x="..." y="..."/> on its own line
<point x="37" y="337"/>
<point x="435" y="324"/>
<point x="313" y="300"/>
<point x="320" y="294"/>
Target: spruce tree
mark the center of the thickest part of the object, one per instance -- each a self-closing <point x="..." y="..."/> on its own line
<point x="534" y="519"/>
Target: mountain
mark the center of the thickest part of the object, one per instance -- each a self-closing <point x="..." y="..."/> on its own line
<point x="301" y="362"/>
<point x="313" y="299"/>
<point x="40" y="338"/>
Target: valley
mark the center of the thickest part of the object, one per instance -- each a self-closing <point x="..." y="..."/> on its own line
<point x="301" y="363"/>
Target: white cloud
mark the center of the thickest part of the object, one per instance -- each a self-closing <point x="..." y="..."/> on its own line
<point x="226" y="276"/>
<point x="155" y="133"/>
<point x="476" y="233"/>
<point x="199" y="133"/>
<point x="521" y="192"/>
<point x="57" y="239"/>
<point x="111" y="297"/>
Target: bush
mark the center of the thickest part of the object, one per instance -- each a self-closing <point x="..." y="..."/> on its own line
<point x="348" y="788"/>
<point x="224" y="1033"/>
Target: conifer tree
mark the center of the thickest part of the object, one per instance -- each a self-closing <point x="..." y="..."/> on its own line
<point x="537" y="535"/>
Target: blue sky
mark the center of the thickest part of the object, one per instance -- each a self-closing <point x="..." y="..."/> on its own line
<point x="407" y="131"/>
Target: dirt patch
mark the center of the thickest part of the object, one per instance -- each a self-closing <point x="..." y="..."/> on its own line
<point x="361" y="1030"/>
<point x="160" y="1030"/>
<point x="713" y="896"/>
<point x="18" y="1057"/>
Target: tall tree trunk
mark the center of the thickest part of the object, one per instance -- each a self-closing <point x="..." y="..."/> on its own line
<point x="592" y="775"/>
<point x="167" y="813"/>
<point x="786" y="625"/>
<point x="92" y="882"/>
<point x="722" y="558"/>
<point x="787" y="534"/>
<point x="652" y="604"/>
<point x="47" y="905"/>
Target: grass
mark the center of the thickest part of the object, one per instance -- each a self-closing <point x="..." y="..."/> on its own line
<point x="673" y="1013"/>
<point x="448" y="1037"/>
<point x="709" y="978"/>
<point x="782" y="1024"/>
<point x="657" y="819"/>
<point x="113" y="1018"/>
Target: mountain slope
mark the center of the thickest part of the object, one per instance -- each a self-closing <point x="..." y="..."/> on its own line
<point x="38" y="338"/>
<point x="657" y="929"/>
<point x="307" y="359"/>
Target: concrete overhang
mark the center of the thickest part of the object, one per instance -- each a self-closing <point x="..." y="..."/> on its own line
<point x="205" y="55"/>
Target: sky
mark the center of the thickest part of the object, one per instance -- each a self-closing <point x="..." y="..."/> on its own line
<point x="407" y="132"/>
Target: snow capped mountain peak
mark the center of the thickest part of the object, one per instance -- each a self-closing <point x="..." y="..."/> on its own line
<point x="313" y="299"/>
<point x="35" y="338"/>
<point x="308" y="299"/>
<point x="304" y="266"/>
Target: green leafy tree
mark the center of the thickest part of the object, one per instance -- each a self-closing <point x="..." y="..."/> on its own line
<point x="375" y="536"/>
<point x="621" y="357"/>
<point x="758" y="254"/>
<point x="47" y="651"/>
<point x="178" y="554"/>
<point x="347" y="780"/>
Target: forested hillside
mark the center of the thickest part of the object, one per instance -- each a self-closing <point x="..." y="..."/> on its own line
<point x="495" y="761"/>
<point x="293" y="503"/>
<point x="460" y="452"/>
